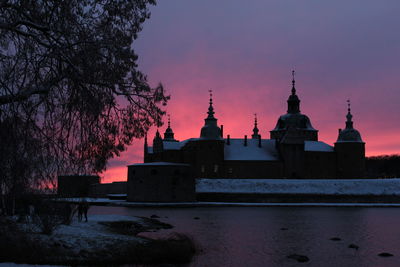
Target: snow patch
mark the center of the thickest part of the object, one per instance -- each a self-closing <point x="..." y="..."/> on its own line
<point x="160" y="163"/>
<point x="317" y="146"/>
<point x="236" y="150"/>
<point x="287" y="186"/>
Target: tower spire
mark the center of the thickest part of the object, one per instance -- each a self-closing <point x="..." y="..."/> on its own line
<point x="211" y="108"/>
<point x="293" y="101"/>
<point x="210" y="130"/>
<point x="169" y="134"/>
<point x="255" y="134"/>
<point x="349" y="117"/>
<point x="293" y="83"/>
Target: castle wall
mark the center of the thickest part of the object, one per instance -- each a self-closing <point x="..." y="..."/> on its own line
<point x="102" y="190"/>
<point x="320" y="165"/>
<point x="350" y="158"/>
<point x="252" y="169"/>
<point x="160" y="183"/>
<point x="206" y="157"/>
<point x="75" y="185"/>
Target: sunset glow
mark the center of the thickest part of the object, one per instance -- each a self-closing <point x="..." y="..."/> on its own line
<point x="245" y="53"/>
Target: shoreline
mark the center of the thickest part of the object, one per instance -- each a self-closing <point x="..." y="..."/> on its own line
<point x="119" y="203"/>
<point x="103" y="240"/>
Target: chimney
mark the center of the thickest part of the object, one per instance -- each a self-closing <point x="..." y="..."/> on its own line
<point x="259" y="140"/>
<point x="245" y="140"/>
<point x="340" y="130"/>
<point x="222" y="131"/>
<point x="228" y="141"/>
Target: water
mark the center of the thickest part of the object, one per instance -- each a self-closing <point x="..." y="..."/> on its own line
<point x="253" y="236"/>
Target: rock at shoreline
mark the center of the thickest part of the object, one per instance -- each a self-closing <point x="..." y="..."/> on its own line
<point x="284" y="229"/>
<point x="196" y="218"/>
<point x="154" y="216"/>
<point x="385" y="254"/>
<point x="335" y="239"/>
<point x="299" y="258"/>
<point x="353" y="246"/>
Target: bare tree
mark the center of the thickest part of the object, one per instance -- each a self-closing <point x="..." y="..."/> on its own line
<point x="70" y="84"/>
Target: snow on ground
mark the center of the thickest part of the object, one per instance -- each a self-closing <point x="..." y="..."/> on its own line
<point x="90" y="236"/>
<point x="287" y="186"/>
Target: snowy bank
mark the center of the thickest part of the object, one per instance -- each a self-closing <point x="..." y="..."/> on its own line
<point x="288" y="186"/>
<point x="103" y="240"/>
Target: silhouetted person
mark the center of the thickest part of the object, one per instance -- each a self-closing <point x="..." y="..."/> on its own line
<point x="83" y="208"/>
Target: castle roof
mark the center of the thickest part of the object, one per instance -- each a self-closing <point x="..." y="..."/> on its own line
<point x="236" y="150"/>
<point x="317" y="146"/>
<point x="210" y="130"/>
<point x="293" y="119"/>
<point x="349" y="134"/>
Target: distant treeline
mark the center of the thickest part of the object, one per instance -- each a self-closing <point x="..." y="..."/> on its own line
<point x="385" y="166"/>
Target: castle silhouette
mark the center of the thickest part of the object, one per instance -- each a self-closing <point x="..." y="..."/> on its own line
<point x="292" y="152"/>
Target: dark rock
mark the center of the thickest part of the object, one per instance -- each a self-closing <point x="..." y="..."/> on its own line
<point x="196" y="218"/>
<point x="335" y="239"/>
<point x="284" y="229"/>
<point x="353" y="246"/>
<point x="299" y="258"/>
<point x="385" y="254"/>
<point x="154" y="216"/>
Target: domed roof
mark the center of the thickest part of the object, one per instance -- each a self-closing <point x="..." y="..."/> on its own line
<point x="169" y="134"/>
<point x="210" y="130"/>
<point x="293" y="121"/>
<point x="349" y="134"/>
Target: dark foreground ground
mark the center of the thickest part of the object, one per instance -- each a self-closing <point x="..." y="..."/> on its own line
<point x="100" y="242"/>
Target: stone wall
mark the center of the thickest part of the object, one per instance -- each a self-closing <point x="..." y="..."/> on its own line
<point x="76" y="185"/>
<point x="160" y="182"/>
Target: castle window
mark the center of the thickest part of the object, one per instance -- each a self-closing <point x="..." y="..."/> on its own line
<point x="230" y="170"/>
<point x="203" y="169"/>
<point x="215" y="168"/>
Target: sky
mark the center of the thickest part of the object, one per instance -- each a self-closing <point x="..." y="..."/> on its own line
<point x="245" y="51"/>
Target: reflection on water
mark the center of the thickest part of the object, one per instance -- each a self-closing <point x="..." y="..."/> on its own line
<point x="265" y="236"/>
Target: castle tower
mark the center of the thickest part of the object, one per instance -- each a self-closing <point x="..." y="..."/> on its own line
<point x="158" y="145"/>
<point x="299" y="124"/>
<point x="209" y="148"/>
<point x="350" y="150"/>
<point x="210" y="130"/>
<point x="255" y="134"/>
<point x="169" y="134"/>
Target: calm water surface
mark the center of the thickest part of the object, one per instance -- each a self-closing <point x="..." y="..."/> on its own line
<point x="253" y="236"/>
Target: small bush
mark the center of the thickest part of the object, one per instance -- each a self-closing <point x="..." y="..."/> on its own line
<point x="50" y="215"/>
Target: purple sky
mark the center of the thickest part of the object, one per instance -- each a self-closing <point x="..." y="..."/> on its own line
<point x="245" y="51"/>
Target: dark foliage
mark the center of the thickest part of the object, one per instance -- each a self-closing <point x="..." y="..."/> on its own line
<point x="71" y="93"/>
<point x="385" y="166"/>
